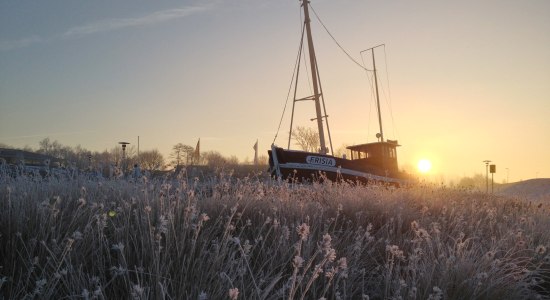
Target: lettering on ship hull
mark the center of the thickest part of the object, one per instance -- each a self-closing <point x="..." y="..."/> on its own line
<point x="320" y="161"/>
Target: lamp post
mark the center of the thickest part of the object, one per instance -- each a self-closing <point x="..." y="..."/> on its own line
<point x="493" y="170"/>
<point x="122" y="164"/>
<point x="487" y="175"/>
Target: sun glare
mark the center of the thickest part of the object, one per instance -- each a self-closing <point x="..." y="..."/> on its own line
<point x="424" y="165"/>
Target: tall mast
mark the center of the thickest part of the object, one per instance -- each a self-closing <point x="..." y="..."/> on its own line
<point x="377" y="97"/>
<point x="314" y="78"/>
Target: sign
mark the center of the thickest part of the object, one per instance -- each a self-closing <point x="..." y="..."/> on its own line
<point x="321" y="161"/>
<point x="493" y="169"/>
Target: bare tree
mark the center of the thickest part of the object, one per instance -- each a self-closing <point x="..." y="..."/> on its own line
<point x="214" y="159"/>
<point x="232" y="160"/>
<point x="306" y="138"/>
<point x="181" y="154"/>
<point x="151" y="160"/>
<point x="263" y="160"/>
<point x="475" y="182"/>
<point x="341" y="151"/>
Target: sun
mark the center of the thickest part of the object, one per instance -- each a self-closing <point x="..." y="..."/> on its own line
<point x="424" y="166"/>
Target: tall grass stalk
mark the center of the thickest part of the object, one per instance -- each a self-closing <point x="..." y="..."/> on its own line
<point x="255" y="238"/>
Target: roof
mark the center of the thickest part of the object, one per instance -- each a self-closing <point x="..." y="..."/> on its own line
<point x="21" y="154"/>
<point x="359" y="147"/>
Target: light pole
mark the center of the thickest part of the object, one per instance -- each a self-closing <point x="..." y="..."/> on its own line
<point x="493" y="170"/>
<point x="487" y="175"/>
<point x="122" y="164"/>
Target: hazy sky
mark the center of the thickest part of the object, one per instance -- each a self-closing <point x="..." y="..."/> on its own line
<point x="468" y="80"/>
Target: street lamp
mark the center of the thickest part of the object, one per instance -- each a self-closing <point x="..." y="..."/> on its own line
<point x="123" y="144"/>
<point x="493" y="170"/>
<point x="487" y="175"/>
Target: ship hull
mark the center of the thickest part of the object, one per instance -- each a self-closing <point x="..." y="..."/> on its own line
<point x="305" y="166"/>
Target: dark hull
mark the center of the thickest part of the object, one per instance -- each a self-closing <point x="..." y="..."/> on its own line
<point x="308" y="166"/>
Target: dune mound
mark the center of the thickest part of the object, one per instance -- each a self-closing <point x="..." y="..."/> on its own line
<point x="532" y="189"/>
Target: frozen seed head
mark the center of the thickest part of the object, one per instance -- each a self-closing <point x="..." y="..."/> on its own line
<point x="343" y="263"/>
<point x="203" y="296"/>
<point x="85" y="294"/>
<point x="418" y="251"/>
<point x="204" y="217"/>
<point x="412" y="292"/>
<point x="331" y="255"/>
<point x="414" y="225"/>
<point x="540" y="250"/>
<point x="522" y="220"/>
<point x="330" y="272"/>
<point x="233" y="293"/>
<point x="77" y="235"/>
<point x="303" y="231"/>
<point x="298" y="261"/>
<point x="490" y="255"/>
<point x="137" y="291"/>
<point x="118" y="247"/>
<point x="482" y="276"/>
<point x="436" y="228"/>
<point x="97" y="292"/>
<point x="437" y="294"/>
<point x="423" y="234"/>
<point x="247" y="247"/>
<point x="285" y="233"/>
<point x="326" y="244"/>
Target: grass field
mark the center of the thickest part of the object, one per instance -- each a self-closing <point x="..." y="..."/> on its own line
<point x="255" y="238"/>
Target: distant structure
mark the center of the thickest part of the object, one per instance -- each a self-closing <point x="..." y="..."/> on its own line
<point x="197" y="154"/>
<point x="255" y="147"/>
<point x="20" y="161"/>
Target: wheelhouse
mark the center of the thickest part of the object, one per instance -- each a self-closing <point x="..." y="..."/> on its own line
<point x="380" y="155"/>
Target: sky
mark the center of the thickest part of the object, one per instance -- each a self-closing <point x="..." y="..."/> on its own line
<point x="461" y="81"/>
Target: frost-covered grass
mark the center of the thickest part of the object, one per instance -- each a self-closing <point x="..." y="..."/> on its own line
<point x="228" y="238"/>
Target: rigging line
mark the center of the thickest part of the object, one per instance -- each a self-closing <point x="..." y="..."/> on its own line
<point x="290" y="87"/>
<point x="334" y="39"/>
<point x="296" y="85"/>
<point x="324" y="107"/>
<point x="389" y="93"/>
<point x="373" y="96"/>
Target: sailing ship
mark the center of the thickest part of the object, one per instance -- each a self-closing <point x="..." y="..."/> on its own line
<point x="369" y="162"/>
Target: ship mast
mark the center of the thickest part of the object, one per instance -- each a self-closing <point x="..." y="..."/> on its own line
<point x="314" y="78"/>
<point x="377" y="98"/>
<point x="376" y="89"/>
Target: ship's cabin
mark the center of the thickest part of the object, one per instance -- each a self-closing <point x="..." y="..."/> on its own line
<point x="378" y="155"/>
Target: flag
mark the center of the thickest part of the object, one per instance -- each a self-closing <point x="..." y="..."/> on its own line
<point x="255" y="147"/>
<point x="197" y="155"/>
